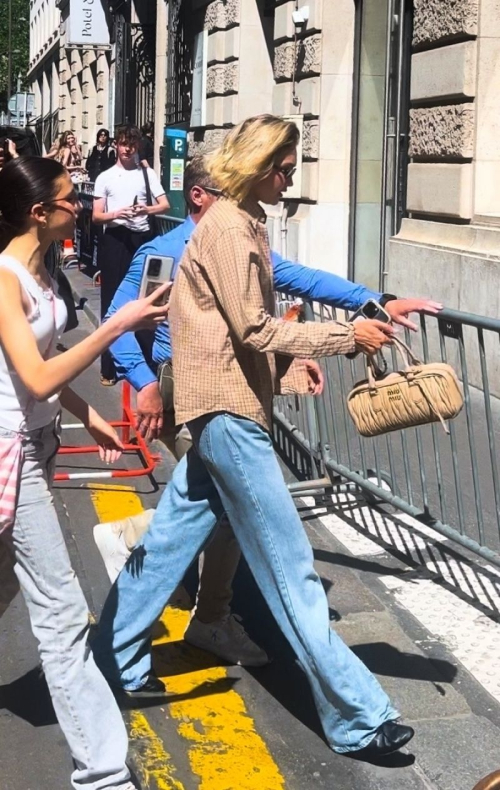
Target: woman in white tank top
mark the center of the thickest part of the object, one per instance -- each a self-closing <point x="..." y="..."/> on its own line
<point x="38" y="205"/>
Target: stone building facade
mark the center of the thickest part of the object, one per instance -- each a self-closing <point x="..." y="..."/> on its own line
<point x="449" y="243"/>
<point x="93" y="86"/>
<point x="86" y="91"/>
<point x="43" y="70"/>
<point x="400" y="155"/>
<point x="71" y="84"/>
<point x="397" y="101"/>
<point x="258" y="61"/>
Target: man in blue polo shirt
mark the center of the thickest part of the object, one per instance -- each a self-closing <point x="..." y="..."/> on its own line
<point x="145" y="363"/>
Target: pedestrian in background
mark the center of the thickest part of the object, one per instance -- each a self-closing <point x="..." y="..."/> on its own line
<point x="102" y="157"/>
<point x="230" y="355"/>
<point x="8" y="151"/>
<point x="70" y="156"/>
<point x="121" y="203"/>
<point x="54" y="149"/>
<point x="146" y="146"/>
<point x="33" y="387"/>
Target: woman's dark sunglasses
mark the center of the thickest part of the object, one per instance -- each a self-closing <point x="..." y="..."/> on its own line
<point x="288" y="171"/>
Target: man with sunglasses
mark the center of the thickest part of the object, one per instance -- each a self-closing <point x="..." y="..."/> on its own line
<point x="147" y="367"/>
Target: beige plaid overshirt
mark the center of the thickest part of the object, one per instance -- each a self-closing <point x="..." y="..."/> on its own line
<point x="229" y="351"/>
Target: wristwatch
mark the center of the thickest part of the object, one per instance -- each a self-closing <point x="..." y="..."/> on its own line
<point x="386" y="298"/>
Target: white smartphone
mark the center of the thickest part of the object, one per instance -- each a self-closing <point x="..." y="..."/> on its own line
<point x="372" y="309"/>
<point x="157" y="270"/>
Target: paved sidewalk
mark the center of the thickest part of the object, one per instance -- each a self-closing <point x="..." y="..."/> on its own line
<point x="424" y="616"/>
<point x="87" y="296"/>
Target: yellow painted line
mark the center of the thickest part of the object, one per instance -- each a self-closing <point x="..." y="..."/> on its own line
<point x="224" y="748"/>
<point x="112" y="502"/>
<point x="152" y="760"/>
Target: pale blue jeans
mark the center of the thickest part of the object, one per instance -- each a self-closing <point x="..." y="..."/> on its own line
<point x="232" y="467"/>
<point x="34" y="550"/>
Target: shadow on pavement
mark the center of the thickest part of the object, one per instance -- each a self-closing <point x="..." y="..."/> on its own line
<point x="384" y="659"/>
<point x="357" y="564"/>
<point x="285" y="681"/>
<point x="28" y="698"/>
<point x="395" y="760"/>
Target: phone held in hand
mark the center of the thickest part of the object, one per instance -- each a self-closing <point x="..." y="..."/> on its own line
<point x="136" y="200"/>
<point x="157" y="270"/>
<point x="373" y="310"/>
<point x="370" y="309"/>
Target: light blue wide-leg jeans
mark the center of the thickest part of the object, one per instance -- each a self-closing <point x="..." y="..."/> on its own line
<point x="234" y="468"/>
<point x="84" y="704"/>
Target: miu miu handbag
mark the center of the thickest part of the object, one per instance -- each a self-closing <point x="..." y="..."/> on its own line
<point x="420" y="393"/>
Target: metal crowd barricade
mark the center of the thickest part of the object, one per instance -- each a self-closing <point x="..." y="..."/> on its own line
<point x="448" y="482"/>
<point x="167" y="223"/>
<point x="126" y="425"/>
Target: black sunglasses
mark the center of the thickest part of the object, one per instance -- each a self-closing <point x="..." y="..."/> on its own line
<point x="213" y="191"/>
<point x="287" y="171"/>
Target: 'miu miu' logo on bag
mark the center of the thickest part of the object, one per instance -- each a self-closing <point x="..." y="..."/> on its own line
<point x="394" y="393"/>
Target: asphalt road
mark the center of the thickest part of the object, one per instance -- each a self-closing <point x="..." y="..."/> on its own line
<point x="225" y="728"/>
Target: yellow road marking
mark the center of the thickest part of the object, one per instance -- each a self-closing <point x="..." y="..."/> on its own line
<point x="112" y="503"/>
<point x="224" y="749"/>
<point x="151" y="758"/>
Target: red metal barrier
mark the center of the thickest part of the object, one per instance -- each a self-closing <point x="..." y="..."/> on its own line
<point x="126" y="424"/>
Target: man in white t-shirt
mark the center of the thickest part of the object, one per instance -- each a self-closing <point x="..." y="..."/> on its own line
<point x="121" y="203"/>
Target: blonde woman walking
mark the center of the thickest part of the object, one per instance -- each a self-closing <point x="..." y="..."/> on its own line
<point x="230" y="356"/>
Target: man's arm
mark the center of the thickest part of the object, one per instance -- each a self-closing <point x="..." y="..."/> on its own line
<point x="232" y="264"/>
<point x="159" y="207"/>
<point x="100" y="216"/>
<point x="314" y="284"/>
<point x="158" y="192"/>
<point x="126" y="351"/>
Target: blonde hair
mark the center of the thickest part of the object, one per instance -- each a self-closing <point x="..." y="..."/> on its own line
<point x="249" y="152"/>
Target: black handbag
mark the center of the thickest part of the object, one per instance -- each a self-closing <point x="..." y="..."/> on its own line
<point x="153" y="222"/>
<point x="53" y="266"/>
<point x="66" y="295"/>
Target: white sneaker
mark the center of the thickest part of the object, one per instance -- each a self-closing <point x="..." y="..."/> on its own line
<point x="113" y="539"/>
<point x="226" y="639"/>
<point x="110" y="541"/>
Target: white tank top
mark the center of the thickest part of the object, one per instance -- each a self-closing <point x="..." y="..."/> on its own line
<point x="19" y="411"/>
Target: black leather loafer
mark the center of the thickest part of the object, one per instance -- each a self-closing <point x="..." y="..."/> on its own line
<point x="153" y="687"/>
<point x="390" y="737"/>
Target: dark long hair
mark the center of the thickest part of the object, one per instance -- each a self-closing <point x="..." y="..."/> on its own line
<point x="24" y="182"/>
<point x="99" y="134"/>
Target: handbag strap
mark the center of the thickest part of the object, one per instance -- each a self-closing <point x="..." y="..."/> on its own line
<point x="149" y="197"/>
<point x="374" y="375"/>
<point x="406" y="352"/>
<point x="153" y="226"/>
<point x="420" y="384"/>
<point x="374" y="371"/>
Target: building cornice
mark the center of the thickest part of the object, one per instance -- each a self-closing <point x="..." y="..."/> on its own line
<point x="49" y="48"/>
